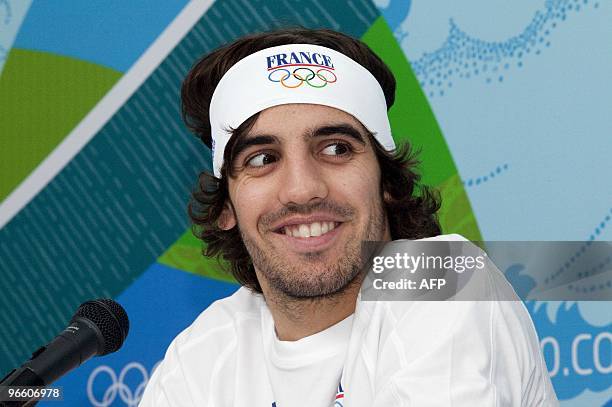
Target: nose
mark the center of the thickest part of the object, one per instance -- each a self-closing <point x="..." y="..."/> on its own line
<point x="302" y="181"/>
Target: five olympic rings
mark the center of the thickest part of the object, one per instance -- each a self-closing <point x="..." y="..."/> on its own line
<point x="322" y="75"/>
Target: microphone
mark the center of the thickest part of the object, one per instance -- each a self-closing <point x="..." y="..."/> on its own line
<point x="98" y="327"/>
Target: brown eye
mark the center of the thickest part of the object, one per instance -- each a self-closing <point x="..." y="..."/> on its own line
<point x="337" y="149"/>
<point x="261" y="160"/>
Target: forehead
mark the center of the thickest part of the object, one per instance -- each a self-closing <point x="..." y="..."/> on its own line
<point x="299" y="117"/>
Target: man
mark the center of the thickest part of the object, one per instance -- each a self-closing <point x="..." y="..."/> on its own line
<point x="305" y="170"/>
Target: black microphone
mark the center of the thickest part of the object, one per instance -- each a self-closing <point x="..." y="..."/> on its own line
<point x="98" y="327"/>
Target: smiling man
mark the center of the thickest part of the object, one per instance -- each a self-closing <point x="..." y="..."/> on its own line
<point x="304" y="170"/>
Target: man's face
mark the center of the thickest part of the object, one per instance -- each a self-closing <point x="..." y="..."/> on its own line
<point x="306" y="193"/>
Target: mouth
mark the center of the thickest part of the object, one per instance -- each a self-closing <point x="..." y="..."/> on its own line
<point x="308" y="230"/>
<point x="304" y="235"/>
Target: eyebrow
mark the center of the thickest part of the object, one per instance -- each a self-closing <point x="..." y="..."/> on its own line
<point x="262" y="139"/>
<point x="346" y="129"/>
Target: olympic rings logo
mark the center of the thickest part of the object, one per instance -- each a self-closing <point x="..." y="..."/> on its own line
<point x="118" y="386"/>
<point x="295" y="79"/>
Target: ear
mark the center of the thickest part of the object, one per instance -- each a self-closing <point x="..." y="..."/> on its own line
<point x="227" y="220"/>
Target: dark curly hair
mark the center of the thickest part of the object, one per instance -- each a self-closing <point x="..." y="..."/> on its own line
<point x="410" y="207"/>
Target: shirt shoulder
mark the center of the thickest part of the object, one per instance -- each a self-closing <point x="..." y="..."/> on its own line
<point x="458" y="351"/>
<point x="202" y="352"/>
<point x="220" y="315"/>
<point x="454" y="353"/>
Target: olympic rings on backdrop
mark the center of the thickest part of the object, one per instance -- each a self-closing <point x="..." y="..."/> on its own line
<point x="317" y="79"/>
<point x="130" y="397"/>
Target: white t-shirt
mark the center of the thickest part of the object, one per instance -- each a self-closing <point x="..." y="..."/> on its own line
<point x="388" y="353"/>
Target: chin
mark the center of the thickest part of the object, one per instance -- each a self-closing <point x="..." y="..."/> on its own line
<point x="319" y="282"/>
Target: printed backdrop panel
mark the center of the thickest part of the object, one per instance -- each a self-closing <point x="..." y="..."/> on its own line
<point x="507" y="101"/>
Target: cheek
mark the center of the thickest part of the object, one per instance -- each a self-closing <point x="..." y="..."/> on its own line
<point x="251" y="200"/>
<point x="359" y="183"/>
<point x="363" y="179"/>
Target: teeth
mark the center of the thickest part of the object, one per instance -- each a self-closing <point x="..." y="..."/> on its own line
<point x="304" y="231"/>
<point x="315" y="229"/>
<point x="312" y="229"/>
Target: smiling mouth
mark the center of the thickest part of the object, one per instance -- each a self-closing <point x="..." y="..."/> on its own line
<point x="307" y="230"/>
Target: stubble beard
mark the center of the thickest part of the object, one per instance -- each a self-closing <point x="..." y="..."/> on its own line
<point x="310" y="278"/>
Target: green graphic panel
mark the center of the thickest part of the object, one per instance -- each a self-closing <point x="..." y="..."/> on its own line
<point x="413" y="121"/>
<point x="43" y="97"/>
<point x="411" y="116"/>
<point x="456" y="215"/>
<point x="186" y="254"/>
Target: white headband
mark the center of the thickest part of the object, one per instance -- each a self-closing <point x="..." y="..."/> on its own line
<point x="295" y="73"/>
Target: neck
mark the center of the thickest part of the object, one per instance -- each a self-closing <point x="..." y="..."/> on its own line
<point x="297" y="318"/>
